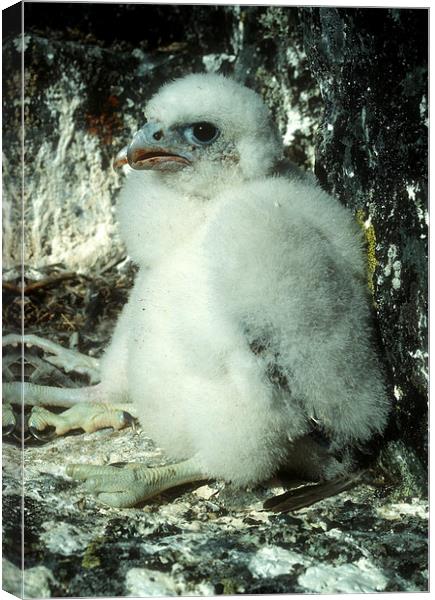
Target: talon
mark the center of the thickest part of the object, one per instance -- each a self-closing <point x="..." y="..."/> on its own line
<point x="129" y="420"/>
<point x="45" y="435"/>
<point x="9" y="421"/>
<point x="8" y="430"/>
<point x="126" y="420"/>
<point x="39" y="423"/>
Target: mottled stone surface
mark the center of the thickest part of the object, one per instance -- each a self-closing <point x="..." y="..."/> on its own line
<point x="198" y="540"/>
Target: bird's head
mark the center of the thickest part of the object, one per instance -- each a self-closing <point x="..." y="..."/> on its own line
<point x="205" y="129"/>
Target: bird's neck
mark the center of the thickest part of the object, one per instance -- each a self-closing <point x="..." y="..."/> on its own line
<point x="203" y="185"/>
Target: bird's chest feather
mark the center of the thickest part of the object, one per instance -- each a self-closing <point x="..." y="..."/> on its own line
<point x="175" y="320"/>
<point x="180" y="328"/>
<point x="155" y="221"/>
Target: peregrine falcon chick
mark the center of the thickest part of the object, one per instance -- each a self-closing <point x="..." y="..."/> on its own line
<point x="249" y="322"/>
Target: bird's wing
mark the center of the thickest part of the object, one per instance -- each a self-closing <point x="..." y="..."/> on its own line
<point x="306" y="495"/>
<point x="285" y="261"/>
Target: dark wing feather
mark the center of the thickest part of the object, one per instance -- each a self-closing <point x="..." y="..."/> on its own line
<point x="309" y="494"/>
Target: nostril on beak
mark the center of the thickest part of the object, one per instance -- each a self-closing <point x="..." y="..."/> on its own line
<point x="158" y="135"/>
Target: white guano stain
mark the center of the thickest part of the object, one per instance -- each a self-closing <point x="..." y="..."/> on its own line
<point x="413" y="189"/>
<point x="422" y="357"/>
<point x="416" y="508"/>
<point x="398" y="392"/>
<point x="213" y="62"/>
<point x="393" y="267"/>
<point x="272" y="561"/>
<point x="142" y="583"/>
<point x="65" y="539"/>
<point x="359" y="577"/>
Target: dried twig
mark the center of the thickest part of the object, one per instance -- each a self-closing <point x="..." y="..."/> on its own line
<point x="37" y="285"/>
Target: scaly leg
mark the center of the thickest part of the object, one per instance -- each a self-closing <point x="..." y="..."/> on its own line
<point x="31" y="394"/>
<point x="68" y="360"/>
<point x="123" y="487"/>
<point x="87" y="408"/>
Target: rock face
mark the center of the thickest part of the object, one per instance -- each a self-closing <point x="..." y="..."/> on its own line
<point x="371" y="66"/>
<point x="348" y="88"/>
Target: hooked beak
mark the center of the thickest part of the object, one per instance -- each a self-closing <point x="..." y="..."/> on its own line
<point x="151" y="148"/>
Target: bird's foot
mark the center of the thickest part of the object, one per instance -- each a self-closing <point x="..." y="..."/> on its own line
<point x="123" y="487"/>
<point x="65" y="358"/>
<point x="89" y="416"/>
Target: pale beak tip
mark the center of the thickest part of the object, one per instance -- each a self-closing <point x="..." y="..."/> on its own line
<point x="120" y="159"/>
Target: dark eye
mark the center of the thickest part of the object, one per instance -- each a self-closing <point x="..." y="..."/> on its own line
<point x="203" y="132"/>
